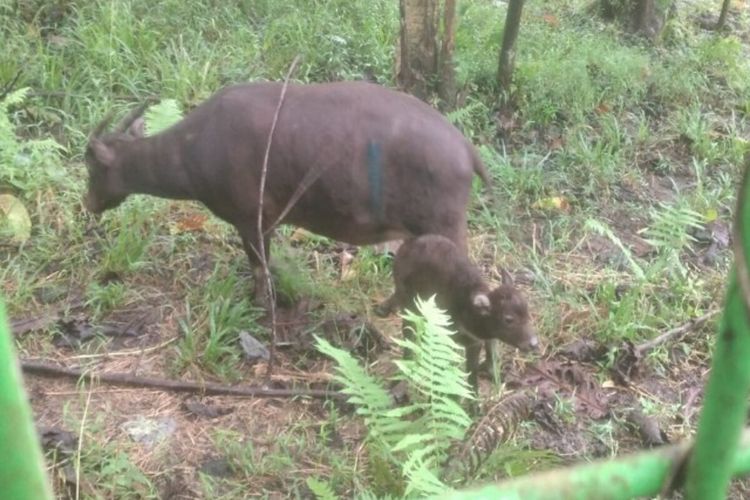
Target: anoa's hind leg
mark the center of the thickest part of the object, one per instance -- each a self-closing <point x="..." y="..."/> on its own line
<point x="249" y="237"/>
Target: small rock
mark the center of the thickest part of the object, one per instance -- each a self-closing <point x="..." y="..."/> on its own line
<point x="64" y="442"/>
<point x="217" y="467"/>
<point x="252" y="348"/>
<point x="150" y="431"/>
<point x="649" y="429"/>
<point x="585" y="350"/>
<point x="206" y="411"/>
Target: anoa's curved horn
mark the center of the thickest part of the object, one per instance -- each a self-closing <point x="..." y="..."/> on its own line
<point x="102" y="125"/>
<point x="131" y="117"/>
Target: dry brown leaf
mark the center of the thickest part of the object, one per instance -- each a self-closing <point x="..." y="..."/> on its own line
<point x="300" y="234"/>
<point x="347" y="272"/>
<point x="559" y="203"/>
<point x="551" y="19"/>
<point x="603" y="108"/>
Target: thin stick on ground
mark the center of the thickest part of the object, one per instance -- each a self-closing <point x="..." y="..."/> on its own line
<point x="270" y="292"/>
<point x="45" y="369"/>
<point x="130" y="352"/>
<point x="676" y="332"/>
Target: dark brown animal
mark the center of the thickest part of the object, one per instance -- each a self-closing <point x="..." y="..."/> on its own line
<point x="371" y="164"/>
<point x="433" y="265"/>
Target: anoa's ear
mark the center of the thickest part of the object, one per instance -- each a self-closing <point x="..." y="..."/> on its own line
<point x="507" y="278"/>
<point x="104" y="154"/>
<point x="137" y="129"/>
<point x="481" y="303"/>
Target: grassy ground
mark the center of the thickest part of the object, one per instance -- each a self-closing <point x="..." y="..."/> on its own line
<point x="616" y="180"/>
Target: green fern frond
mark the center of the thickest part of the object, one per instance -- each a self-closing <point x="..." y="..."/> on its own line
<point x="321" y="489"/>
<point x="365" y="391"/>
<point x="669" y="234"/>
<point x="13" y="98"/>
<point x="369" y="495"/>
<point x="418" y="469"/>
<point x="604" y="230"/>
<point x="461" y="115"/>
<point x="469" y="117"/>
<point x="434" y="371"/>
<point x="29" y="164"/>
<point x="670" y="225"/>
<point x="417" y="436"/>
<point x="162" y="116"/>
<point x="434" y="368"/>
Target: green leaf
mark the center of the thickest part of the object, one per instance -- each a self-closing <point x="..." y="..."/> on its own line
<point x="415" y="438"/>
<point x="321" y="489"/>
<point x="15" y="223"/>
<point x="412" y="439"/>
<point x="13" y="98"/>
<point x="604" y="230"/>
<point x="162" y="116"/>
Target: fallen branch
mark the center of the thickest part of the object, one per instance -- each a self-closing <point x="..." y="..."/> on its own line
<point x="43" y="369"/>
<point x="70" y="95"/>
<point x="24" y="325"/>
<point x="675" y="333"/>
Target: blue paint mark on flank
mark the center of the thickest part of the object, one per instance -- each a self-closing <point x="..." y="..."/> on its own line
<point x="375" y="178"/>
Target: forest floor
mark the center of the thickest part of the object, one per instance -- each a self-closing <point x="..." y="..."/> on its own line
<point x="616" y="180"/>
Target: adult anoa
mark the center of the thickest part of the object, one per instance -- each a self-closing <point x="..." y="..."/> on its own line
<point x="353" y="161"/>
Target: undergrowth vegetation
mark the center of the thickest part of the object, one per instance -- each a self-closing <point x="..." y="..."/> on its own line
<point x="415" y="437"/>
<point x="613" y="191"/>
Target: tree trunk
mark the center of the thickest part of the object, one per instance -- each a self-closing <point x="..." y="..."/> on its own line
<point x="723" y="16"/>
<point x="418" y="63"/>
<point x="447" y="82"/>
<point x="643" y="12"/>
<point x="508" y="49"/>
